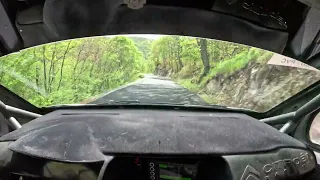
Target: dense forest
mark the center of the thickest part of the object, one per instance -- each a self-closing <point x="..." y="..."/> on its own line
<point x="75" y="71"/>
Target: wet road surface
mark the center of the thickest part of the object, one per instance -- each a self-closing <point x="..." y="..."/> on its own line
<point x="152" y="89"/>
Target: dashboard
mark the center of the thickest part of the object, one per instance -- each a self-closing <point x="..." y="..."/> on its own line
<point x="118" y="168"/>
<point x="281" y="164"/>
<point x="151" y="145"/>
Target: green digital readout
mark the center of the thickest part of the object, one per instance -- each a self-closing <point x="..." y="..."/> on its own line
<point x="173" y="178"/>
<point x="173" y="171"/>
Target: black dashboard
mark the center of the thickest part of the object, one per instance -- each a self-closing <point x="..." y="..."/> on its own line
<point x="151" y="145"/>
<point x="118" y="168"/>
<point x="283" y="164"/>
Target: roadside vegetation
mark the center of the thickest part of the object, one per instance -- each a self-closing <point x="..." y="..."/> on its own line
<point x="75" y="71"/>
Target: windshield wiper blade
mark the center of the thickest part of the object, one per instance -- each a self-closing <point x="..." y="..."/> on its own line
<point x="130" y="102"/>
<point x="111" y="102"/>
<point x="137" y="102"/>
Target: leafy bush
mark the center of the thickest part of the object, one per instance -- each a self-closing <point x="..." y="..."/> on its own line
<point x="230" y="66"/>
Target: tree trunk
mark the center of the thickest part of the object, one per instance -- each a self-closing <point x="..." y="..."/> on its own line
<point x="76" y="65"/>
<point x="44" y="68"/>
<point x="51" y="69"/>
<point x="62" y="64"/>
<point x="179" y="51"/>
<point x="95" y="61"/>
<point x="204" y="56"/>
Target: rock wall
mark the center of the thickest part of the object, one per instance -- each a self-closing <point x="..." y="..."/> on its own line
<point x="259" y="86"/>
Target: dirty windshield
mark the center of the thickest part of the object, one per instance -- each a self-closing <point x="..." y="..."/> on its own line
<point x="154" y="69"/>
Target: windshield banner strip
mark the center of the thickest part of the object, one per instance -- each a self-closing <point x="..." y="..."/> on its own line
<point x="278" y="59"/>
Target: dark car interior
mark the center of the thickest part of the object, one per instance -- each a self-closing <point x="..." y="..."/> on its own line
<point x="123" y="142"/>
<point x="161" y="142"/>
<point x="284" y="26"/>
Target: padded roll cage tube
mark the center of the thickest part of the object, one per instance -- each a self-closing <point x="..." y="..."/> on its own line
<point x="13" y="123"/>
<point x="22" y="112"/>
<point x="290" y="119"/>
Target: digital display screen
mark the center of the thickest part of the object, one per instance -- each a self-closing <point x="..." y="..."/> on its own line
<point x="172" y="171"/>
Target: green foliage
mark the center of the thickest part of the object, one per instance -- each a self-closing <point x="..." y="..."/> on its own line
<point x="143" y="44"/>
<point x="225" y="58"/>
<point x="75" y="70"/>
<point x="229" y="66"/>
<point x="71" y="71"/>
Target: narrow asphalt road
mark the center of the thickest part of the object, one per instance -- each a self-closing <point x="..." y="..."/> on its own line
<point x="152" y="89"/>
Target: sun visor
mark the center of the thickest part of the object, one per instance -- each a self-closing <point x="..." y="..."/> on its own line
<point x="109" y="18"/>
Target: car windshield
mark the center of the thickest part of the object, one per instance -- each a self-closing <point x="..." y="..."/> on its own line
<point x="154" y="69"/>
